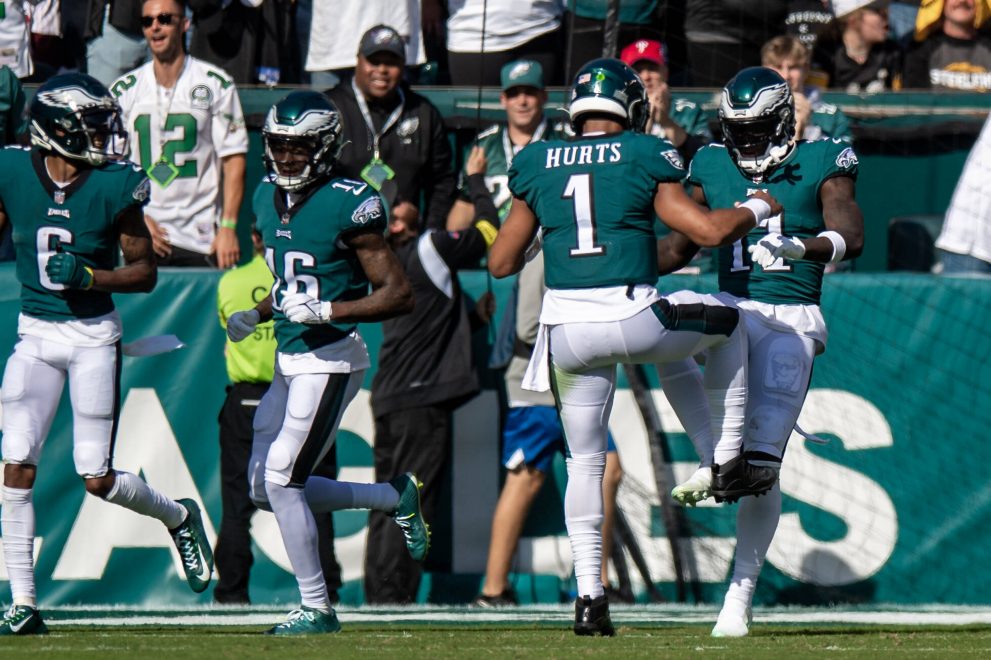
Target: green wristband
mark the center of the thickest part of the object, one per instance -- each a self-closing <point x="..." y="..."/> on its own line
<point x="228" y="223"/>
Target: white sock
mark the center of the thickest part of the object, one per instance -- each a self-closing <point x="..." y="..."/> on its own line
<point x="17" y="522"/>
<point x="726" y="390"/>
<point x="323" y="494"/>
<point x="583" y="517"/>
<point x="682" y="385"/>
<point x="131" y="492"/>
<point x="729" y="408"/>
<point x="756" y="522"/>
<point x="299" y="534"/>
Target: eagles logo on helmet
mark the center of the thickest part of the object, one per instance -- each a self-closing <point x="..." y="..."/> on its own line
<point x="74" y="115"/>
<point x="303" y="138"/>
<point x="608" y="86"/>
<point x="757" y="118"/>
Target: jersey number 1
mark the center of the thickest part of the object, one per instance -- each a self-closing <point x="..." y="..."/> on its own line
<point x="579" y="190"/>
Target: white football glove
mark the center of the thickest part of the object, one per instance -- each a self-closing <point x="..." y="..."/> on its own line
<point x="301" y="308"/>
<point x="242" y="324"/>
<point x="775" y="246"/>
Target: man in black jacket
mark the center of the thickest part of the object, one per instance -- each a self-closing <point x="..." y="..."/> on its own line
<point x="396" y="140"/>
<point x="425" y="371"/>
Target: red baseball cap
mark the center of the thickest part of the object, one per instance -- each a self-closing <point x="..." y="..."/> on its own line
<point x="643" y="49"/>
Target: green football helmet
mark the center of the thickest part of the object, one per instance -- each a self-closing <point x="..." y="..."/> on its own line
<point x="757" y="117"/>
<point x="304" y="130"/>
<point x="75" y="116"/>
<point x="608" y="86"/>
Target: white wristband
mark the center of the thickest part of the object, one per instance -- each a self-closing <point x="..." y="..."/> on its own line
<point x="839" y="245"/>
<point x="760" y="209"/>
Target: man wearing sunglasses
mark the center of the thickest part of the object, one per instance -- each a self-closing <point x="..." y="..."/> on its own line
<point x="187" y="133"/>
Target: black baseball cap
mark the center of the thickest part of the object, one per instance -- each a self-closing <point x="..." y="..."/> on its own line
<point x="382" y="39"/>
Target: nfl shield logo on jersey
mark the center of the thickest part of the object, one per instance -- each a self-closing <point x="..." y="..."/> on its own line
<point x="59" y="197"/>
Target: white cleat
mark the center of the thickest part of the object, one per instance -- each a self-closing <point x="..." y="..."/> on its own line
<point x="733" y="623"/>
<point x="697" y="488"/>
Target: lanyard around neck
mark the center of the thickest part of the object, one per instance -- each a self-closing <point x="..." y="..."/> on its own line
<point x="507" y="146"/>
<point x="366" y="115"/>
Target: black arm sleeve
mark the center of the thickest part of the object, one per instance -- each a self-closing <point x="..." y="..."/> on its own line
<point x="485" y="208"/>
<point x="461" y="249"/>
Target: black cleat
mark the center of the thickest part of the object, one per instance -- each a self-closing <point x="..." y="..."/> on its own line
<point x="505" y="599"/>
<point x="740" y="476"/>
<point x="592" y="617"/>
<point x="619" y="595"/>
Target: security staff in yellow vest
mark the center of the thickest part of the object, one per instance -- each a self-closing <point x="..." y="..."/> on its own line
<point x="250" y="365"/>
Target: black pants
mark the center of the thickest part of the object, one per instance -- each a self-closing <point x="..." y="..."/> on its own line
<point x="713" y="64"/>
<point x="183" y="258"/>
<point x="472" y="69"/>
<point x="233" y="551"/>
<point x="417" y="440"/>
<point x="586" y="37"/>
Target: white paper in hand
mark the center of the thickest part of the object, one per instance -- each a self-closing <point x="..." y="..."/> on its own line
<point x="152" y="345"/>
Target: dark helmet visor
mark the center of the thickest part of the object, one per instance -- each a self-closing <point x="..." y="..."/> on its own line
<point x="751" y="137"/>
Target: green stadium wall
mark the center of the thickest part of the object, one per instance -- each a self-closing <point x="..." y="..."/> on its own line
<point x="895" y="509"/>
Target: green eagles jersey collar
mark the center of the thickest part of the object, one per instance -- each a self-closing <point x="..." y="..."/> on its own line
<point x="59" y="195"/>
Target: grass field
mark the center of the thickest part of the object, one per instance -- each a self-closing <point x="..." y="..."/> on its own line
<point x="525" y="632"/>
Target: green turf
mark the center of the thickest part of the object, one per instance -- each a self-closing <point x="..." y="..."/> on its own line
<point x="447" y="641"/>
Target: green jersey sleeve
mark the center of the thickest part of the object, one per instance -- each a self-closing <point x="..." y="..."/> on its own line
<point x="659" y="159"/>
<point x="838" y="159"/>
<point x="522" y="182"/>
<point x="368" y="213"/>
<point x="135" y="188"/>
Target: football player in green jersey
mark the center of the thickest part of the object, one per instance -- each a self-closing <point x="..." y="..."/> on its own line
<point x="324" y="244"/>
<point x="594" y="199"/>
<point x="773" y="275"/>
<point x="73" y="204"/>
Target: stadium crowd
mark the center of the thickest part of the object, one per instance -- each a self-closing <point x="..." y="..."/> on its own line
<point x="854" y="45"/>
<point x="383" y="161"/>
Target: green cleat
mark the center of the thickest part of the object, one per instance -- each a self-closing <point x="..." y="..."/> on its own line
<point x="22" y="620"/>
<point x="194" y="549"/>
<point x="409" y="516"/>
<point x="698" y="487"/>
<point x="307" y="621"/>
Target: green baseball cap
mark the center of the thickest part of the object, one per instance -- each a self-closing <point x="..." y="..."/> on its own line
<point x="522" y="73"/>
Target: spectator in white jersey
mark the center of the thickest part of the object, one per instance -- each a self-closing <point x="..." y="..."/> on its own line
<point x="336" y="28"/>
<point x="187" y="132"/>
<point x="15" y="38"/>
<point x="507" y="30"/>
